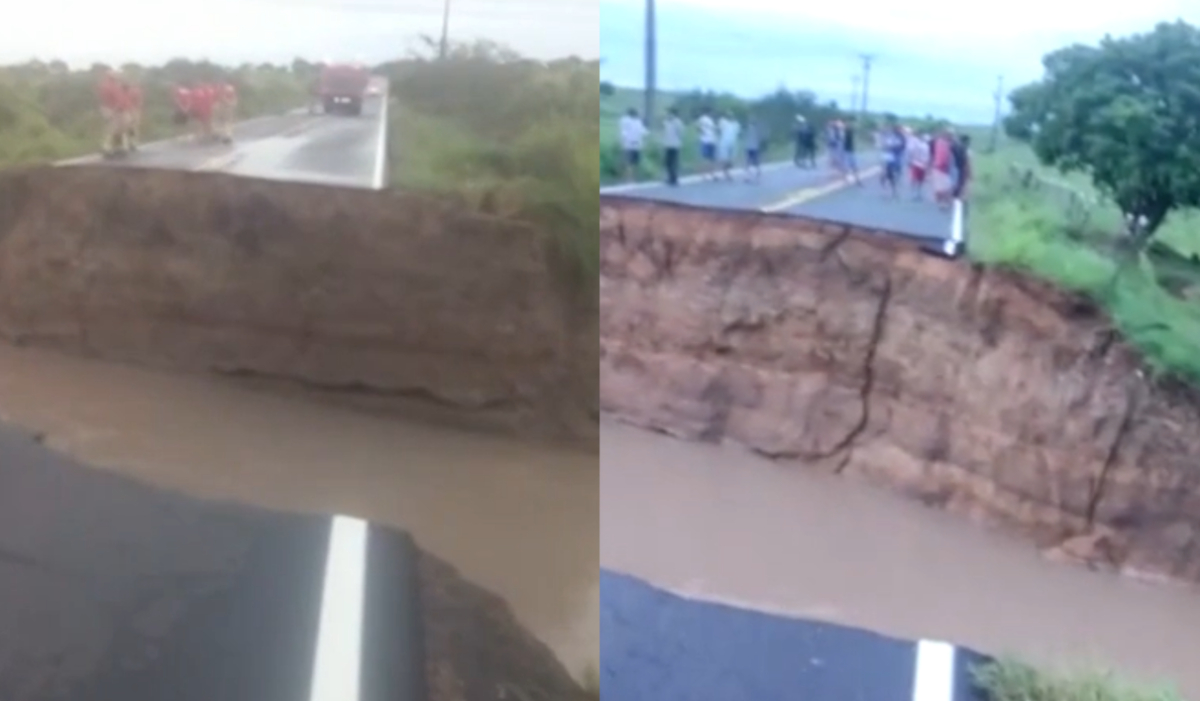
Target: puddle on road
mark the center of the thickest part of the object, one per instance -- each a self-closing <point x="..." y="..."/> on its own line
<point x="721" y="524"/>
<point x="520" y="520"/>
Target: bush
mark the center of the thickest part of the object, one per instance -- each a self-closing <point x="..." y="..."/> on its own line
<point x="510" y="136"/>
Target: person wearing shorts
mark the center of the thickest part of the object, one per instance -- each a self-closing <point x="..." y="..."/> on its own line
<point x="940" y="167"/>
<point x="708" y="142"/>
<point x="918" y="162"/>
<point x="728" y="136"/>
<point x="892" y="148"/>
<point x="633" y="137"/>
<point x="849" y="161"/>
<point x="753" y="145"/>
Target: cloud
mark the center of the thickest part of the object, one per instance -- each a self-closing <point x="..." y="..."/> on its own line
<point x="83" y="31"/>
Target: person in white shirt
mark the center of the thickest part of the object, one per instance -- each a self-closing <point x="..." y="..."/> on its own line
<point x="728" y="133"/>
<point x="708" y="142"/>
<point x="672" y="142"/>
<point x="633" y="140"/>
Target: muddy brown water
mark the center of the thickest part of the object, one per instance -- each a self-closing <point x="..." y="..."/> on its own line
<point x="719" y="523"/>
<point x="516" y="518"/>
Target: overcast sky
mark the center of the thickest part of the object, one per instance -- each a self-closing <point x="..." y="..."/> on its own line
<point x="152" y="31"/>
<point x="942" y="54"/>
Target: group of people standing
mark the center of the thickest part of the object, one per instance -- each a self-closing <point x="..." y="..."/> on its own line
<point x="722" y="137"/>
<point x="211" y="109"/>
<point x="937" y="160"/>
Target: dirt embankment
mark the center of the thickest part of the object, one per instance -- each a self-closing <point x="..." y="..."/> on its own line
<point x="977" y="391"/>
<point x="477" y="651"/>
<point x="389" y="300"/>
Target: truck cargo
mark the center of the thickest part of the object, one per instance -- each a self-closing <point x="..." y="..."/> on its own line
<point x="343" y="87"/>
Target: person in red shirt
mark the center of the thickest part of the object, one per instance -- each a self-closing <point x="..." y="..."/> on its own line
<point x="133" y="115"/>
<point x="202" y="103"/>
<point x="226" y="111"/>
<point x="113" y="108"/>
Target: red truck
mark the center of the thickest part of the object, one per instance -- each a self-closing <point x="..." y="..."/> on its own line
<point x="343" y="87"/>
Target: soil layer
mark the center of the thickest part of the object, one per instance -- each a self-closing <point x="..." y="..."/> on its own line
<point x="979" y="391"/>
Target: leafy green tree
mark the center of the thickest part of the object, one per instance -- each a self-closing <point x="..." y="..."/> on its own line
<point x="1127" y="113"/>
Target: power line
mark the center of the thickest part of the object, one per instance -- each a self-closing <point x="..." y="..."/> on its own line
<point x="867" y="60"/>
<point x="651" y="61"/>
<point x="998" y="97"/>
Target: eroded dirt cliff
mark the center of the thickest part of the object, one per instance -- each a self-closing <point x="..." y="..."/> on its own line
<point x="978" y="391"/>
<point x="390" y="300"/>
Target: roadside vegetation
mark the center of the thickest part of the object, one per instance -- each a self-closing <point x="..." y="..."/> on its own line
<point x="1009" y="680"/>
<point x="49" y="111"/>
<point x="1097" y="188"/>
<point x="509" y="136"/>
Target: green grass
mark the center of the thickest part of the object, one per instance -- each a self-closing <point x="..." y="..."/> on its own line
<point x="1009" y="680"/>
<point x="1044" y="231"/>
<point x="506" y="136"/>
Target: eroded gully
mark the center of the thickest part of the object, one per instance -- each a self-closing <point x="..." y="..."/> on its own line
<point x="720" y="524"/>
<point x="520" y="520"/>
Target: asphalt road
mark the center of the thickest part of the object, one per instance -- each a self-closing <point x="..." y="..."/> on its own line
<point x="787" y="189"/>
<point x="110" y="589"/>
<point x="298" y="147"/>
<point x="656" y="646"/>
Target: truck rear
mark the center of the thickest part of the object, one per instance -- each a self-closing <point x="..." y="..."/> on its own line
<point x="343" y="88"/>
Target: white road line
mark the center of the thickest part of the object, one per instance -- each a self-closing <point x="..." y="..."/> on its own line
<point x="381" y="150"/>
<point x="934" y="678"/>
<point x="337" y="669"/>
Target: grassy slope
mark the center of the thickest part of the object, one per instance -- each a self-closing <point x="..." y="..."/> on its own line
<point x="507" y="137"/>
<point x="1029" y="230"/>
<point x="1014" y="681"/>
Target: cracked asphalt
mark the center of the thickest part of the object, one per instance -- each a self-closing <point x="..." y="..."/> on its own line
<point x="112" y="589"/>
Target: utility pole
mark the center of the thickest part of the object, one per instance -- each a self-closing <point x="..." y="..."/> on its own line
<point x="998" y="98"/>
<point x="651" y="59"/>
<point x="867" y="60"/>
<point x="444" y="48"/>
<point x="855" y="80"/>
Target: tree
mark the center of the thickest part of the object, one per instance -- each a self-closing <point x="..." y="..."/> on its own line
<point x="1125" y="112"/>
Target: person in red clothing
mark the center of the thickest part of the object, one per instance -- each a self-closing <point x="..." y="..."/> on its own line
<point x="225" y="111"/>
<point x="183" y="105"/>
<point x="113" y="107"/>
<point x="941" y="166"/>
<point x="202" y="103"/>
<point x="133" y="115"/>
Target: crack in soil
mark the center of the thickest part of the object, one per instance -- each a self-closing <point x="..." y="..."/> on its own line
<point x="845" y="443"/>
<point x="1114" y="449"/>
<point x="366" y="390"/>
